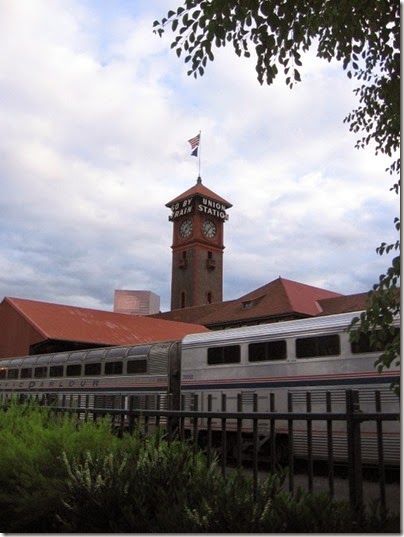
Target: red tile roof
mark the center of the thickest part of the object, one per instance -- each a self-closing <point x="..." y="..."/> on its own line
<point x="279" y="298"/>
<point x="70" y="323"/>
<point x="343" y="304"/>
<point x="201" y="190"/>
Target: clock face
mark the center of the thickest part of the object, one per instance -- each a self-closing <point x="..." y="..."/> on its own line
<point x="209" y="229"/>
<point x="186" y="229"/>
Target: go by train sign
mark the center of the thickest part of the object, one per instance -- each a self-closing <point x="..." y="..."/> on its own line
<point x="203" y="205"/>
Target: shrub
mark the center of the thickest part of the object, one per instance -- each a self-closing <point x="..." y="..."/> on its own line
<point x="234" y="509"/>
<point x="165" y="488"/>
<point x="145" y="489"/>
<point x="32" y="473"/>
<point x="59" y="474"/>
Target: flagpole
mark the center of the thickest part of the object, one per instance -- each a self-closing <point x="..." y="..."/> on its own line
<point x="199" y="157"/>
<point x="196" y="152"/>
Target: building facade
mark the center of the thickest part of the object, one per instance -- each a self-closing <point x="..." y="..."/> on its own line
<point x="136" y="302"/>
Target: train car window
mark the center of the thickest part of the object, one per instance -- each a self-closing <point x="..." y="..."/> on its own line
<point x="92" y="369"/>
<point x="136" y="366"/>
<point x="364" y="343"/>
<point x="116" y="352"/>
<point x="267" y="351"/>
<point x="40" y="372"/>
<point x="139" y="350"/>
<point x="43" y="360"/>
<point x="73" y="370"/>
<point x="113" y="368"/>
<point x="26" y="372"/>
<point x="56" y="371"/>
<point x="224" y="355"/>
<point x="3" y="372"/>
<point x="12" y="374"/>
<point x="95" y="356"/>
<point x="311" y="347"/>
<point x="77" y="356"/>
<point x="58" y="358"/>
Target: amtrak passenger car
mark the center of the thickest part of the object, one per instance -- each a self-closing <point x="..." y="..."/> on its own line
<point x="286" y="361"/>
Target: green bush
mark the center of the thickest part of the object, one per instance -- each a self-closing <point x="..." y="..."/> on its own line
<point x="234" y="509"/>
<point x="144" y="489"/>
<point x="32" y="472"/>
<point x="165" y="487"/>
<point x="60" y="474"/>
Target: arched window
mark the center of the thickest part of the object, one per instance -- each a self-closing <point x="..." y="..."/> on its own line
<point x="209" y="297"/>
<point x="182" y="299"/>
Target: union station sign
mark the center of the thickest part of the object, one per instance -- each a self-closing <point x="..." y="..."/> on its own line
<point x="204" y="205"/>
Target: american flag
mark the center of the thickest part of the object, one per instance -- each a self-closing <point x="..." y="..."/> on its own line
<point x="195" y="144"/>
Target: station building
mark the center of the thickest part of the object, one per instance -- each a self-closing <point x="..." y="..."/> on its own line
<point x="198" y="216"/>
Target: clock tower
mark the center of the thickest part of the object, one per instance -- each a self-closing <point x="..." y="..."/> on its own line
<point x="198" y="217"/>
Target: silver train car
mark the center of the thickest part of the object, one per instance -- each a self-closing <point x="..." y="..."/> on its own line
<point x="301" y="365"/>
<point x="270" y="364"/>
<point x="138" y="376"/>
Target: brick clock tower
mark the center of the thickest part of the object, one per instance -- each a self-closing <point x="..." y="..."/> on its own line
<point x="198" y="216"/>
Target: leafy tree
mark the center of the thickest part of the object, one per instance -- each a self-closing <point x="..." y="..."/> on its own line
<point x="362" y="34"/>
<point x="383" y="306"/>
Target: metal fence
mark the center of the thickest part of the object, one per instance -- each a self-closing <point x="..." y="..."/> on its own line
<point x="223" y="433"/>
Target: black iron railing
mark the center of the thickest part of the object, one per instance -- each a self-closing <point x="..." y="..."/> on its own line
<point x="223" y="433"/>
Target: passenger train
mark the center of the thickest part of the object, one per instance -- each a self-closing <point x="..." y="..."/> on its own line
<point x="280" y="362"/>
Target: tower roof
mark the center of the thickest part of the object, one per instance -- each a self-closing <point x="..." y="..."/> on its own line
<point x="199" y="190"/>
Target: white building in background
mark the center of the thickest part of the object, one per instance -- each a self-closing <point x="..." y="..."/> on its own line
<point x="136" y="302"/>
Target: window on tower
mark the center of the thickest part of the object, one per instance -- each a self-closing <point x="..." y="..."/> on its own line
<point x="182" y="299"/>
<point x="210" y="262"/>
<point x="183" y="259"/>
<point x="209" y="297"/>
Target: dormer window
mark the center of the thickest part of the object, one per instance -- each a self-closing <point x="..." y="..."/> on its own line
<point x="252" y="302"/>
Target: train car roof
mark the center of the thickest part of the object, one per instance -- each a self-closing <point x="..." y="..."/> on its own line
<point x="86" y="355"/>
<point x="321" y="325"/>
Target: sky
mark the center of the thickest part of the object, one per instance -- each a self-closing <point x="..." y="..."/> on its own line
<point x="95" y="116"/>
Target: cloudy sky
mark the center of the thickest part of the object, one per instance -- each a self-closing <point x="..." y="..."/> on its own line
<point x="95" y="114"/>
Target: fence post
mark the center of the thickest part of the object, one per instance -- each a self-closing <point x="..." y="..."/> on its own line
<point x="195" y="407"/>
<point x="239" y="427"/>
<point x="172" y="421"/>
<point x="255" y="444"/>
<point x="309" y="427"/>
<point x="330" y="445"/>
<point x="209" y="429"/>
<point x="354" y="452"/>
<point x="272" y="434"/>
<point x="290" y="444"/>
<point x="224" y="436"/>
<point x="380" y="450"/>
